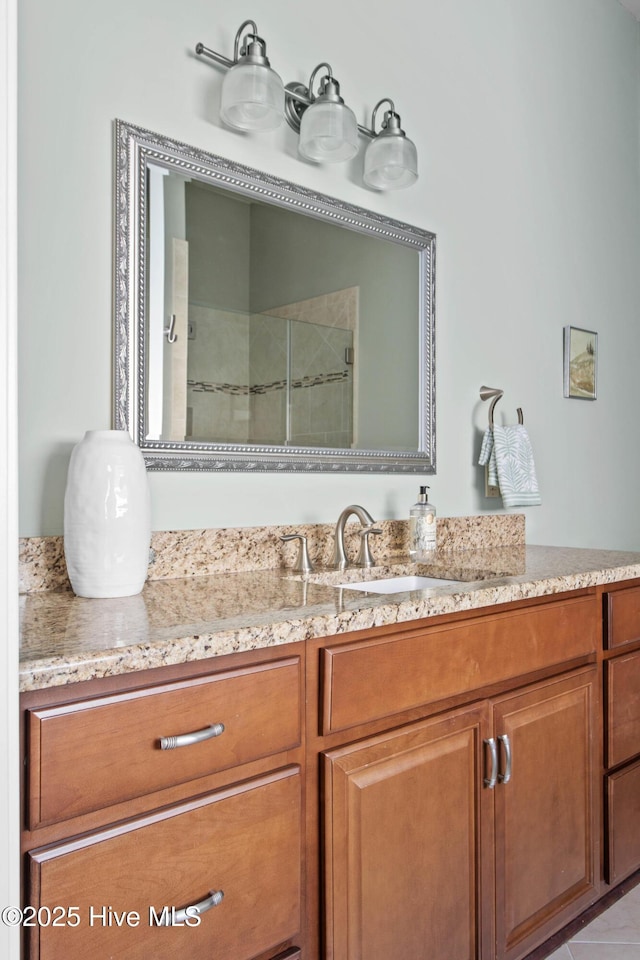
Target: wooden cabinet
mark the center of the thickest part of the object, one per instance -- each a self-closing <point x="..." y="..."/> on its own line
<point x="237" y="852"/>
<point x="459" y="776"/>
<point x="435" y="662"/>
<point x="92" y="753"/>
<point x="418" y="789"/>
<point x="622" y="732"/>
<point x="474" y="832"/>
<point x="167" y="819"/>
<point x="406" y="824"/>
<point x="547" y="814"/>
<point x="623" y="822"/>
<point x="622" y="617"/>
<point x="622" y="686"/>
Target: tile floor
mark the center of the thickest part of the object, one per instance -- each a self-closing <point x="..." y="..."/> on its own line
<point x="614" y="935"/>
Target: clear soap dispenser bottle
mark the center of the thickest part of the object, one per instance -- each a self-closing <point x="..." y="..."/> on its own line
<point x="422" y="527"/>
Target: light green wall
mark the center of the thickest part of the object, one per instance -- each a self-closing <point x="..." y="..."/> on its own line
<point x="525" y="115"/>
<point x="218" y="231"/>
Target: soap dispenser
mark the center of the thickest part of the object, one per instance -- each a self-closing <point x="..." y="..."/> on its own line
<point x="422" y="527"/>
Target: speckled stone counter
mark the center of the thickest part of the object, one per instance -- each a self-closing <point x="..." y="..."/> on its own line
<point x="66" y="639"/>
<point x="189" y="553"/>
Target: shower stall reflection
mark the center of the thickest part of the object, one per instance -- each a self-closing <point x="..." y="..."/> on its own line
<point x="268" y="379"/>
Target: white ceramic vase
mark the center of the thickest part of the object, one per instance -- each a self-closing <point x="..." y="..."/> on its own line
<point x="107" y="516"/>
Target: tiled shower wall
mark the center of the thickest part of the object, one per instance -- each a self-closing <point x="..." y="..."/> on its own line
<point x="238" y="373"/>
<point x="323" y="379"/>
<point x="218" y="376"/>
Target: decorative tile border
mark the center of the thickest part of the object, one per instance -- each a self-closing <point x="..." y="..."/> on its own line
<point x="243" y="390"/>
<point x="192" y="553"/>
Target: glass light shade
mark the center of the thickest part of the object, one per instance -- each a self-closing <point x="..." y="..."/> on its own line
<point x="252" y="97"/>
<point x="390" y="162"/>
<point x="328" y="132"/>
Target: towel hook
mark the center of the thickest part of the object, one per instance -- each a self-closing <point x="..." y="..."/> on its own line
<point x="487" y="392"/>
<point x="169" y="331"/>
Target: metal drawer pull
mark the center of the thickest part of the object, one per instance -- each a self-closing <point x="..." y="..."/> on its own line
<point x="492" y="779"/>
<point x="180" y="917"/>
<point x="506" y="743"/>
<point x="187" y="739"/>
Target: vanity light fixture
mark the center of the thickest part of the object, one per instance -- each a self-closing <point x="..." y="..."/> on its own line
<point x="391" y="159"/>
<point x="328" y="127"/>
<point x="253" y="98"/>
<point x="252" y="93"/>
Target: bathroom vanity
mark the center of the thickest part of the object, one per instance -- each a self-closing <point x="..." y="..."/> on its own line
<point x="452" y="774"/>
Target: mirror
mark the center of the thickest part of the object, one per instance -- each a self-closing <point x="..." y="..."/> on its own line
<point x="262" y="326"/>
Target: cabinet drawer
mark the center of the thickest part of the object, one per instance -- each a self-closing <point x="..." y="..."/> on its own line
<point x="91" y="754"/>
<point x="243" y="842"/>
<point x="369" y="680"/>
<point x="623" y="822"/>
<point x="622" y="617"/>
<point x="623" y="708"/>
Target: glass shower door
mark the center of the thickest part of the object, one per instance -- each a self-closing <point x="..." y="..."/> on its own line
<point x="321" y="385"/>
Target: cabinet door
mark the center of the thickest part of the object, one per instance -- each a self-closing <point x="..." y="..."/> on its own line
<point x="237" y="851"/>
<point x="404" y="832"/>
<point x="622" y="715"/>
<point x="623" y="822"/>
<point x="547" y="837"/>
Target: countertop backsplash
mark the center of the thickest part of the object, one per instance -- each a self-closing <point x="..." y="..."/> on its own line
<point x="193" y="553"/>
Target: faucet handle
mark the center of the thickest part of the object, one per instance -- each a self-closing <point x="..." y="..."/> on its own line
<point x="364" y="558"/>
<point x="303" y="563"/>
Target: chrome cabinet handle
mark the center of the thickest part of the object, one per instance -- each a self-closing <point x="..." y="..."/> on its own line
<point x="492" y="779"/>
<point x="195" y="910"/>
<point x="187" y="739"/>
<point x="506" y="743"/>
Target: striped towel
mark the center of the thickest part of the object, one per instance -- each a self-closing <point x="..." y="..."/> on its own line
<point x="507" y="452"/>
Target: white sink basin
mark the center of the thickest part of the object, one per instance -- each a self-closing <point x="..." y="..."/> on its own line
<point x="397" y="584"/>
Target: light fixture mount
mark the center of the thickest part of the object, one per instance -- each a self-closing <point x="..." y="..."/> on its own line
<point x="296" y="102"/>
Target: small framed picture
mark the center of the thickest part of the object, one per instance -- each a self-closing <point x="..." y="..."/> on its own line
<point x="580" y="363"/>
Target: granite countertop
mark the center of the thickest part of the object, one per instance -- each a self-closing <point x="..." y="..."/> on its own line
<point x="65" y="638"/>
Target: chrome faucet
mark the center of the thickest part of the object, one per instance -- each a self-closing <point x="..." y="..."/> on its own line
<point x="364" y="558"/>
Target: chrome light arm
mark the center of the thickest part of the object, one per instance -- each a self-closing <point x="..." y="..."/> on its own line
<point x="203" y="51"/>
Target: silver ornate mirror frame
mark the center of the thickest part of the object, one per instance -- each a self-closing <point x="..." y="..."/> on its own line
<point x="135" y="148"/>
